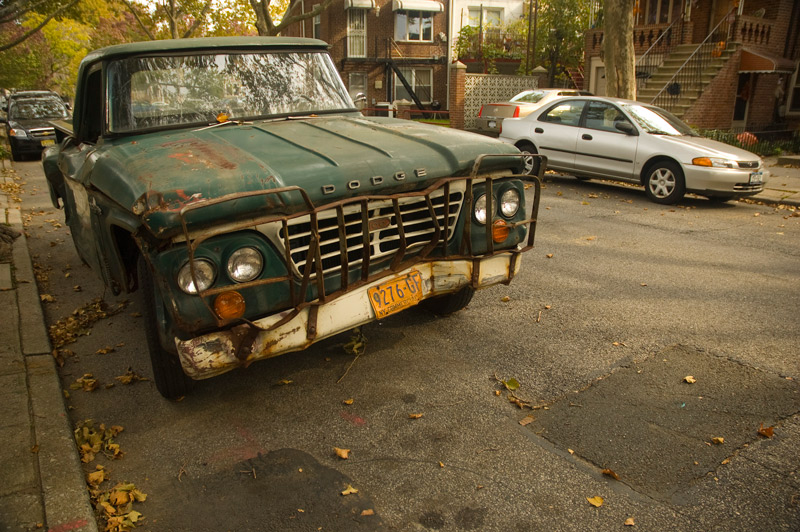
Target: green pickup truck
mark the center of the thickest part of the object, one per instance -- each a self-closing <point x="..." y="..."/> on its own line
<point x="233" y="184"/>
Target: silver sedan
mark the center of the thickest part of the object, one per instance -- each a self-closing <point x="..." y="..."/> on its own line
<point x="625" y="140"/>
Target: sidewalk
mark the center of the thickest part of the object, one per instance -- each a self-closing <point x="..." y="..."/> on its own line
<point x="41" y="480"/>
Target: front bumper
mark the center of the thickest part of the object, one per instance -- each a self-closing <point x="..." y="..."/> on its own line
<point x="732" y="182"/>
<point x="221" y="351"/>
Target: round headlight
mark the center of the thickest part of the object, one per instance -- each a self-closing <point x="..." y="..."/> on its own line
<point x="245" y="264"/>
<point x="204" y="273"/>
<point x="480" y="209"/>
<point x="509" y="202"/>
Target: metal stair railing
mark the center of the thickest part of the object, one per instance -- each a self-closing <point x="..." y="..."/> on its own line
<point x="689" y="76"/>
<point x="654" y="57"/>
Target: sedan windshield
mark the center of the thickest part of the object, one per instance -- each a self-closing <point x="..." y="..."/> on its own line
<point x="30" y="109"/>
<point x="657" y="121"/>
<point x="157" y="92"/>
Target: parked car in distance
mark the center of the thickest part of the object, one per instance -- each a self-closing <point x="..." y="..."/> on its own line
<point x="232" y="184"/>
<point x="491" y="115"/>
<point x="28" y="124"/>
<point x="625" y="140"/>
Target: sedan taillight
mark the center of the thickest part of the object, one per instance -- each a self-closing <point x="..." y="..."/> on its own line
<point x="480" y="113"/>
<point x="516" y="112"/>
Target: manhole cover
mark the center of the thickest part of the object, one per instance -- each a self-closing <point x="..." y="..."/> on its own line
<point x="655" y="430"/>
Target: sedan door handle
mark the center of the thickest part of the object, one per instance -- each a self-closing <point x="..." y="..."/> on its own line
<point x="586" y="136"/>
<point x="538" y="130"/>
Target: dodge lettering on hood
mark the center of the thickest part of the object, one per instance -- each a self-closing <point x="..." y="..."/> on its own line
<point x="233" y="185"/>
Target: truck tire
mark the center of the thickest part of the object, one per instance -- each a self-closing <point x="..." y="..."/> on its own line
<point x="168" y="374"/>
<point x="449" y="303"/>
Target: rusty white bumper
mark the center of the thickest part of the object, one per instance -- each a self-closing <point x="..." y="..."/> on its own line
<point x="216" y="353"/>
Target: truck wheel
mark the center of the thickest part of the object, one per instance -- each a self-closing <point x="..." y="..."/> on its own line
<point x="664" y="183"/>
<point x="168" y="374"/>
<point x="449" y="303"/>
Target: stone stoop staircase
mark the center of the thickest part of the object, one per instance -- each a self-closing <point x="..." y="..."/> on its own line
<point x="689" y="93"/>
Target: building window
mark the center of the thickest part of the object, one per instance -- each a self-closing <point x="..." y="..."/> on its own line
<point x="357" y="84"/>
<point x="317" y="24"/>
<point x="413" y="26"/>
<point x="421" y="81"/>
<point x="356" y="33"/>
<point x="794" y="92"/>
<point x="492" y="17"/>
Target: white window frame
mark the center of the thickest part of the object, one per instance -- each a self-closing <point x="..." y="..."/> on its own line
<point x="356" y="36"/>
<point x="352" y="78"/>
<point x="422" y="15"/>
<point x="411" y="76"/>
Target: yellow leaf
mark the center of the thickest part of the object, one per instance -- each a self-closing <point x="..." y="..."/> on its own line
<point x="549" y="255"/>
<point x="110" y="510"/>
<point x="119" y="497"/>
<point x="415" y="416"/>
<point x="138" y="496"/>
<point x="348" y="401"/>
<point x="527" y="420"/>
<point x="95" y="478"/>
<point x="133" y="516"/>
<point x="629" y="522"/>
<point x="767" y="432"/>
<point x="505" y="299"/>
<point x="596" y="501"/>
<point x="284" y="382"/>
<point x="689" y="379"/>
<point x="367" y="512"/>
<point x="610" y="473"/>
<point x="344" y="454"/>
<point x="570" y="451"/>
<point x="350" y="490"/>
<point x="441" y="464"/>
<point x="718" y="440"/>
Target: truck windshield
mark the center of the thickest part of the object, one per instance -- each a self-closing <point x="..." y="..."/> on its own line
<point x="161" y="92"/>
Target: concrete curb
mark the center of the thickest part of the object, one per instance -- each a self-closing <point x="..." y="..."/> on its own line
<point x="63" y="488"/>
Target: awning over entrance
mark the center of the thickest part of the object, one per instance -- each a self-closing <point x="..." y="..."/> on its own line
<point x="417" y="5"/>
<point x="759" y="62"/>
<point x="359" y="4"/>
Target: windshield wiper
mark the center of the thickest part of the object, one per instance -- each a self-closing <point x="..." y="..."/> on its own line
<point x="218" y="124"/>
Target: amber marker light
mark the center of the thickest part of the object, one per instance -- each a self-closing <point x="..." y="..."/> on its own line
<point x="500" y="231"/>
<point x="701" y="161"/>
<point x="229" y="305"/>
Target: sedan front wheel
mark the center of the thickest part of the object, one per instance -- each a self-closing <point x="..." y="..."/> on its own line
<point x="664" y="183"/>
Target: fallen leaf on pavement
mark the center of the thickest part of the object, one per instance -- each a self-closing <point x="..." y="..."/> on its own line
<point x="596" y="501"/>
<point x="348" y="401"/>
<point x="610" y="473"/>
<point x="689" y="379"/>
<point x="367" y="512"/>
<point x="415" y="416"/>
<point x="350" y="490"/>
<point x="718" y="440"/>
<point x="767" y="432"/>
<point x="629" y="522"/>
<point x="527" y="420"/>
<point x="344" y="454"/>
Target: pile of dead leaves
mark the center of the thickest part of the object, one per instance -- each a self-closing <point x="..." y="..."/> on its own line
<point x="91" y="440"/>
<point x="67" y="330"/>
<point x="115" y="506"/>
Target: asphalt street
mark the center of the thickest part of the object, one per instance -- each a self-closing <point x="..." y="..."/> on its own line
<point x="640" y="373"/>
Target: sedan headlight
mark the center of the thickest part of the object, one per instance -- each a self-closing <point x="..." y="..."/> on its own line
<point x="715" y="162"/>
<point x="204" y="272"/>
<point x="245" y="264"/>
<point x="509" y="202"/>
<point x="480" y="209"/>
<point x="18" y="133"/>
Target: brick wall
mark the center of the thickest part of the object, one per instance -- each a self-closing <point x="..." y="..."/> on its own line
<point x="714" y="108"/>
<point x="380" y="36"/>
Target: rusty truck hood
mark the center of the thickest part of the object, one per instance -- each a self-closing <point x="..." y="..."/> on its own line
<point x="158" y="174"/>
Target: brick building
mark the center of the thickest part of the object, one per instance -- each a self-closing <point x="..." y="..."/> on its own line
<point x="378" y="44"/>
<point x="718" y="64"/>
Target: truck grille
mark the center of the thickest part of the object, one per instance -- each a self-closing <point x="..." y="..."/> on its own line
<point x="383" y="233"/>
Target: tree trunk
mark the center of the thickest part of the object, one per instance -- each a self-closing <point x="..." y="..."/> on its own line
<point x="619" y="57"/>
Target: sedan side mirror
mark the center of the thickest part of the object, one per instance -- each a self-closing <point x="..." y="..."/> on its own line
<point x="625" y="127"/>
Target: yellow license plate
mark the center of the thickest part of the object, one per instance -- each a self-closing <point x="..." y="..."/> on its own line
<point x="48" y="142"/>
<point x="396" y="295"/>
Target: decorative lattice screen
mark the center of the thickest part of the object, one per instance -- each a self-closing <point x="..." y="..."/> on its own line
<point x="485" y="88"/>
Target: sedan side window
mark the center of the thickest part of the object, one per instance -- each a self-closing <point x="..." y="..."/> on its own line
<point x="604" y="116"/>
<point x="566" y="113"/>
